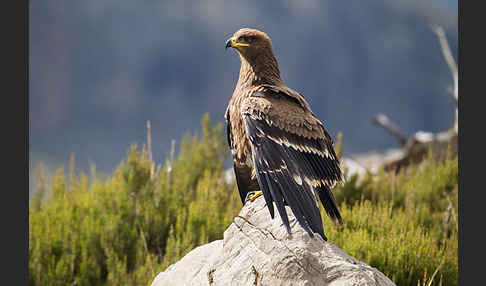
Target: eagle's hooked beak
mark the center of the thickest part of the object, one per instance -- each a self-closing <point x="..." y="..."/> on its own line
<point x="231" y="43"/>
<point x="228" y="43"/>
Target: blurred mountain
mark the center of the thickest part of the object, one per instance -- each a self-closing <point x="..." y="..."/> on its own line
<point x="100" y="69"/>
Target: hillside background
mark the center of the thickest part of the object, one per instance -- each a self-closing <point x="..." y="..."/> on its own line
<point x="100" y="69"/>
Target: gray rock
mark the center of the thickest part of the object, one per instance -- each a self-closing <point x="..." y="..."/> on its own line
<point x="193" y="268"/>
<point x="256" y="250"/>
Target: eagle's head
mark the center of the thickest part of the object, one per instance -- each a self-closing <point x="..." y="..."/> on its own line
<point x="250" y="43"/>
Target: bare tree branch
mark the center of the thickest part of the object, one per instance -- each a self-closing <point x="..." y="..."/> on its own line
<point x="149" y="149"/>
<point x="383" y="121"/>
<point x="171" y="160"/>
<point x="416" y="147"/>
<point x="446" y="51"/>
<point x="450" y="92"/>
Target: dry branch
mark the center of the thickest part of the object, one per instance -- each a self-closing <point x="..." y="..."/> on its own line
<point x="446" y="52"/>
<point x="416" y="147"/>
<point x="171" y="160"/>
<point x="383" y="121"/>
<point x="149" y="150"/>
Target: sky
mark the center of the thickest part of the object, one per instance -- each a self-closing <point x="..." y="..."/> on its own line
<point x="99" y="69"/>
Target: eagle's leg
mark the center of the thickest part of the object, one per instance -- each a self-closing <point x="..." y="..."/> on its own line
<point x="251" y="196"/>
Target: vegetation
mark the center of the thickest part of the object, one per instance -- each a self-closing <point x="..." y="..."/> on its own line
<point x="124" y="229"/>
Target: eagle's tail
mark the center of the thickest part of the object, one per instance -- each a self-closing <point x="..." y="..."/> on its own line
<point x="329" y="203"/>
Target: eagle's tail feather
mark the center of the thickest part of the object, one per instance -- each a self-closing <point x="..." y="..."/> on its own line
<point x="329" y="203"/>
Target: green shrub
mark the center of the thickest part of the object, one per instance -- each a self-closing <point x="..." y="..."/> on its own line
<point x="403" y="224"/>
<point x="126" y="228"/>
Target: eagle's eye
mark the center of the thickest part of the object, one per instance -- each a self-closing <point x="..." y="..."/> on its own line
<point x="245" y="39"/>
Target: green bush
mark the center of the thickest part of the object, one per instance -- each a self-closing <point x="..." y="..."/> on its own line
<point x="125" y="229"/>
<point x="128" y="227"/>
<point x="404" y="224"/>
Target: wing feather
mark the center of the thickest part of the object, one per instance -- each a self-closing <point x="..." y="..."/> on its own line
<point x="278" y="182"/>
<point x="289" y="169"/>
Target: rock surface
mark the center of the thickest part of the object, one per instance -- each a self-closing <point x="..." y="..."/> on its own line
<point x="257" y="250"/>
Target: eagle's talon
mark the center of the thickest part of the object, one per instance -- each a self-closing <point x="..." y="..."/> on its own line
<point x="251" y="196"/>
<point x="255" y="195"/>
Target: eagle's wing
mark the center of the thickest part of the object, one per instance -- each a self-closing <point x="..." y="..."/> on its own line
<point x="293" y="157"/>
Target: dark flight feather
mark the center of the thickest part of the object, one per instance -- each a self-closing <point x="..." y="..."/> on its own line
<point x="286" y="171"/>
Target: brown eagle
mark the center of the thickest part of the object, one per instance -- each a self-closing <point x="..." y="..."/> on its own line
<point x="278" y="145"/>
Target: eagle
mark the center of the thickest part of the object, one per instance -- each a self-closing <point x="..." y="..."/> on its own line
<point x="278" y="146"/>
